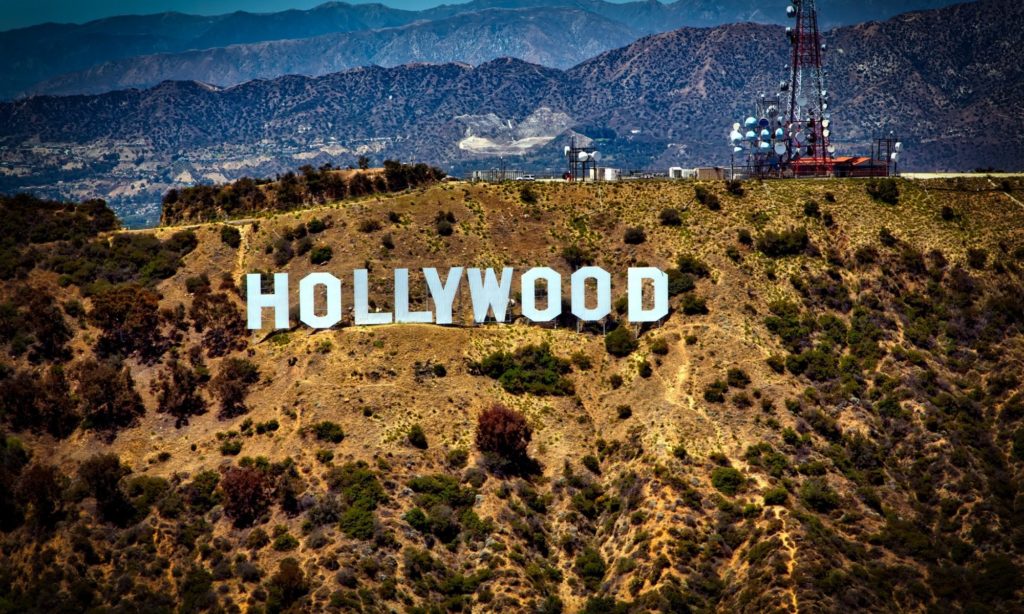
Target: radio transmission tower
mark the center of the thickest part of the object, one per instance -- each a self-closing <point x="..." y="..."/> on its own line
<point x="808" y="120"/>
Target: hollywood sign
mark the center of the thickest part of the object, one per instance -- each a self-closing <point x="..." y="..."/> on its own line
<point x="490" y="293"/>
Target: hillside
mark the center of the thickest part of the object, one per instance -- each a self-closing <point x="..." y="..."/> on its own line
<point x="47" y="51"/>
<point x="941" y="79"/>
<point x="556" y="37"/>
<point x="829" y="419"/>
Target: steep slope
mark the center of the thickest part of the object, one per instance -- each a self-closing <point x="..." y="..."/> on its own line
<point x="821" y="424"/>
<point x="553" y="37"/>
<point x="947" y="81"/>
<point x="44" y="52"/>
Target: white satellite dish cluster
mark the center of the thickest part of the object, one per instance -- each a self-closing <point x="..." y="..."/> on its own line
<point x="764" y="137"/>
<point x="585" y="156"/>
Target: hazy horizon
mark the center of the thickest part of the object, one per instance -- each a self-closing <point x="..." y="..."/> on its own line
<point x="17" y="14"/>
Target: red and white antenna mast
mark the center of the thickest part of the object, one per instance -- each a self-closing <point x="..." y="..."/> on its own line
<point x="808" y="122"/>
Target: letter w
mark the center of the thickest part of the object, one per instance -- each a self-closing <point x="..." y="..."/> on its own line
<point x="489" y="293"/>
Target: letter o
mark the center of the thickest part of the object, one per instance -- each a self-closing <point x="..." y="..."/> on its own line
<point x="579" y="291"/>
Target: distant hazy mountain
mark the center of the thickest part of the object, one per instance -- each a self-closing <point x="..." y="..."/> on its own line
<point x="40" y="53"/>
<point x="556" y="37"/>
<point x="950" y="81"/>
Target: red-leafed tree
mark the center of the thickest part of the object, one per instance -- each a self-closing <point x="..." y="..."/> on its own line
<point x="503" y="435"/>
<point x="247" y="492"/>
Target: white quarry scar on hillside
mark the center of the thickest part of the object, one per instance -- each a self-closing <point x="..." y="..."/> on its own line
<point x="491" y="135"/>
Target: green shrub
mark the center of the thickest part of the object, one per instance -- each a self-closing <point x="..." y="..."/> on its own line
<point x="231" y="447"/>
<point x="620" y="342"/>
<point x="591" y="463"/>
<point x="727" y="480"/>
<point x="644" y="370"/>
<point x="417" y="438"/>
<point x="715" y="392"/>
<point x="624" y="411"/>
<point x="775" y="495"/>
<point x="326" y="430"/>
<point x="735" y="187"/>
<point x="659" y="346"/>
<point x="532" y="369"/>
<point x="688" y="263"/>
<point x="285" y="542"/>
<point x="576" y="257"/>
<point x="885" y="190"/>
<point x="812" y="209"/>
<point x="694" y="305"/>
<point x="707" y="198"/>
<point x="321" y="255"/>
<point x="591" y="568"/>
<point x="670" y="217"/>
<point x="679" y="282"/>
<point x="634" y="236"/>
<point x="737" y="378"/>
<point x="789" y="242"/>
<point x="818" y="495"/>
<point x="230" y="236"/>
<point x="369" y="225"/>
<point x="977" y="258"/>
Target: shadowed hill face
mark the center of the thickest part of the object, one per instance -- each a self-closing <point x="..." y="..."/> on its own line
<point x="43" y="52"/>
<point x="946" y="81"/>
<point x="830" y="417"/>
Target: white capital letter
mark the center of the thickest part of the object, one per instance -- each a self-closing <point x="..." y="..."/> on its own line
<point x="362" y="299"/>
<point x="579" y="293"/>
<point x="307" y="300"/>
<point x="528" y="283"/>
<point x="637" y="313"/>
<point x="255" y="301"/>
<point x="402" y="313"/>
<point x="490" y="293"/>
<point x="444" y="296"/>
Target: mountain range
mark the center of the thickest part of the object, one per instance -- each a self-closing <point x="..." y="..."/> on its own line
<point x="141" y="51"/>
<point x="948" y="81"/>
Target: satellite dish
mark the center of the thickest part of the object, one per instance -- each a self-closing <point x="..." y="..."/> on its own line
<point x="765" y="146"/>
<point x="824" y="106"/>
<point x="898" y="147"/>
<point x="824" y="46"/>
<point x="791" y="11"/>
<point x="763" y="122"/>
<point x="765" y="135"/>
<point x="736" y="150"/>
<point x="780" y="148"/>
<point x="772" y="111"/>
<point x="824" y="93"/>
<point x="825" y="123"/>
<point x="801" y="100"/>
<point x="750" y="123"/>
<point x="566" y="151"/>
<point x="735" y="136"/>
<point x="779" y="133"/>
<point x="831" y="149"/>
<point x="826" y="133"/>
<point x="583" y="156"/>
<point x="596" y="156"/>
<point x="895" y="157"/>
<point x="736" y="126"/>
<point x="750" y="136"/>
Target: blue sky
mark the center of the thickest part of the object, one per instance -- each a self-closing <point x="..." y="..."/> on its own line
<point x="20" y="13"/>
